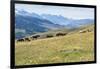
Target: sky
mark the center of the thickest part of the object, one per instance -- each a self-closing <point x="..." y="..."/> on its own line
<point x="68" y="12"/>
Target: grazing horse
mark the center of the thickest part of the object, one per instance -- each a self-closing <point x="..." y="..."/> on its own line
<point x="27" y="39"/>
<point x="61" y="34"/>
<point x="20" y="40"/>
<point x="35" y="36"/>
<point x="83" y="31"/>
<point x="49" y="36"/>
<point x="89" y="30"/>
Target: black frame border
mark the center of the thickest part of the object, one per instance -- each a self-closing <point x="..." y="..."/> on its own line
<point x="12" y="34"/>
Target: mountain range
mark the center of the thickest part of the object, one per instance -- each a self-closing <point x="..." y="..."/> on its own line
<point x="30" y="23"/>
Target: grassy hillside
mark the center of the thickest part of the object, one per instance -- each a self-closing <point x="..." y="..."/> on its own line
<point x="73" y="47"/>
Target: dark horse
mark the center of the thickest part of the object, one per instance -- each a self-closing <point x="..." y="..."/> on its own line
<point x="61" y="34"/>
<point x="49" y="36"/>
<point x="35" y="36"/>
<point x="27" y="39"/>
<point x="20" y="40"/>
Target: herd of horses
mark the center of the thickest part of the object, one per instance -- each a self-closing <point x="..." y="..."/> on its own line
<point x="84" y="31"/>
<point x="34" y="37"/>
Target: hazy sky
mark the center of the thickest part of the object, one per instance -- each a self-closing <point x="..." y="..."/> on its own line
<point x="69" y="12"/>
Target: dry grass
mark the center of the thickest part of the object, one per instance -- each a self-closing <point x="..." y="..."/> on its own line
<point x="70" y="48"/>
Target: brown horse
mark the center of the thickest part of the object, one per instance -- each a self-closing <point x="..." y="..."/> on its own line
<point x="35" y="36"/>
<point x="27" y="39"/>
<point x="61" y="34"/>
<point x="49" y="36"/>
<point x="20" y="40"/>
